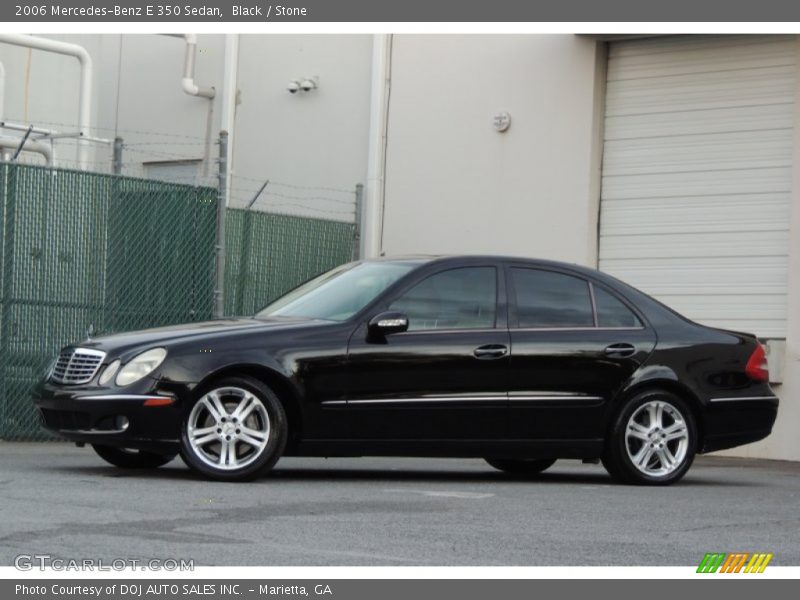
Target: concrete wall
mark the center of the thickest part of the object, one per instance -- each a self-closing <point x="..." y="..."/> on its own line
<point x="459" y="185"/>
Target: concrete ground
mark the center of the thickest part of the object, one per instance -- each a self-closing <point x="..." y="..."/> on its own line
<point x="64" y="501"/>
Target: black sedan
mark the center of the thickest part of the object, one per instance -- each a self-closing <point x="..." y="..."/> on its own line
<point x="521" y="362"/>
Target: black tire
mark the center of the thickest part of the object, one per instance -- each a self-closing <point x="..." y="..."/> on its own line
<point x="272" y="418"/>
<point x="522" y="466"/>
<point x="132" y="459"/>
<point x="619" y="446"/>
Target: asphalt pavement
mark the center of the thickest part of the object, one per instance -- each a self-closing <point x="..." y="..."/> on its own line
<point x="64" y="501"/>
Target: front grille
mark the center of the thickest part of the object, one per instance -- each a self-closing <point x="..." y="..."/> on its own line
<point x="77" y="365"/>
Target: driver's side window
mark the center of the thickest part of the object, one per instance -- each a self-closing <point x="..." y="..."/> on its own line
<point x="462" y="298"/>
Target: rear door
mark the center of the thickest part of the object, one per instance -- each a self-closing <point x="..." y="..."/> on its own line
<point x="573" y="343"/>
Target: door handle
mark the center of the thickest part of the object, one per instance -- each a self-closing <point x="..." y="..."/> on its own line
<point x="490" y="351"/>
<point x="620" y="350"/>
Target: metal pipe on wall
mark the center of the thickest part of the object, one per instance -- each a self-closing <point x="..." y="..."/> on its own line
<point x="85" y="97"/>
<point x="376" y="164"/>
<point x="2" y="89"/>
<point x="11" y="144"/>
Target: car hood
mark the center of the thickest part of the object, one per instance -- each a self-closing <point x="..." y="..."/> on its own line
<point x="120" y="343"/>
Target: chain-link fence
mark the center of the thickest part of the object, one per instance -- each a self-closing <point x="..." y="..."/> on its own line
<point x="268" y="254"/>
<point x="83" y="252"/>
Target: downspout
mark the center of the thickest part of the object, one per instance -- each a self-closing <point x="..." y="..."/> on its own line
<point x="376" y="161"/>
<point x="2" y="89"/>
<point x="11" y="144"/>
<point x="85" y="97"/>
<point x="188" y="82"/>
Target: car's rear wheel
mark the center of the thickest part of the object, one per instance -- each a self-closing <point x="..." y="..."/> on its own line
<point x="653" y="440"/>
<point x="128" y="458"/>
<point x="235" y="430"/>
<point x="523" y="466"/>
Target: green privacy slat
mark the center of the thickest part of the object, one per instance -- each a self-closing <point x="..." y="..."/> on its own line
<point x="81" y="249"/>
<point x="268" y="254"/>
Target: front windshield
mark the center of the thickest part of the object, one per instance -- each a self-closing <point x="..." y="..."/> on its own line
<point x="338" y="294"/>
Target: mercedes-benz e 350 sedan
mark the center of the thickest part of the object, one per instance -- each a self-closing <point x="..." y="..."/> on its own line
<point x="521" y="362"/>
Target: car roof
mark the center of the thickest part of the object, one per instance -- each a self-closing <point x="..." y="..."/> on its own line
<point x="446" y="258"/>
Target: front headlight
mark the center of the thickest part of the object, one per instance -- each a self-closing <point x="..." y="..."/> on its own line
<point x="141" y="366"/>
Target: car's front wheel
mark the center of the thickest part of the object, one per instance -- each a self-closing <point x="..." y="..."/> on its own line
<point x="127" y="458"/>
<point x="652" y="441"/>
<point x="235" y="430"/>
<point x="523" y="466"/>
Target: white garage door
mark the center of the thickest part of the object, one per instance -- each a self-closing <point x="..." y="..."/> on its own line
<point x="697" y="172"/>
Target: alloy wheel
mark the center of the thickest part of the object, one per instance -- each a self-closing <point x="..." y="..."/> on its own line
<point x="657" y="438"/>
<point x="228" y="428"/>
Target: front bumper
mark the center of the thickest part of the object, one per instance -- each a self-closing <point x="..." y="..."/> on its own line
<point x="735" y="421"/>
<point x="146" y="417"/>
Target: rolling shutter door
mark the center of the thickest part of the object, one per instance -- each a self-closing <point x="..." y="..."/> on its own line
<point x="696" y="175"/>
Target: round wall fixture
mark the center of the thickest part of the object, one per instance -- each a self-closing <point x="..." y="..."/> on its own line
<point x="501" y="121"/>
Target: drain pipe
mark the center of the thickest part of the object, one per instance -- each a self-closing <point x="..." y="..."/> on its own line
<point x="2" y="88"/>
<point x="11" y="144"/>
<point x="85" y="99"/>
<point x="187" y="81"/>
<point x="372" y="218"/>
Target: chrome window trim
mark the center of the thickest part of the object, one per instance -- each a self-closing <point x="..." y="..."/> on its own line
<point x="577" y="328"/>
<point x="455" y="330"/>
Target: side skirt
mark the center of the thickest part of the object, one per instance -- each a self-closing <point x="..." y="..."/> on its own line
<point x="592" y="448"/>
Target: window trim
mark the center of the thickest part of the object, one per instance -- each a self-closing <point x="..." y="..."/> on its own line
<point x="498" y="304"/>
<point x="513" y="314"/>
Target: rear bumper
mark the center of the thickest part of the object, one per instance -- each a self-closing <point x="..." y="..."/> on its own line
<point x="111" y="418"/>
<point x="735" y="421"/>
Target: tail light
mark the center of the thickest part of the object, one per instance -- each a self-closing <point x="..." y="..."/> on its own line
<point x="757" y="368"/>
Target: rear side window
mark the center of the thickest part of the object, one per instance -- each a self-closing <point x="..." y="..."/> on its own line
<point x="550" y="299"/>
<point x="611" y="312"/>
<point x="464" y="298"/>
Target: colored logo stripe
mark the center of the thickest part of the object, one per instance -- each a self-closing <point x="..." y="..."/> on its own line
<point x="734" y="563"/>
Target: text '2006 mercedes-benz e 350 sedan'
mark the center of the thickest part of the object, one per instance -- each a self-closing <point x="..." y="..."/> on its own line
<point x="521" y="362"/>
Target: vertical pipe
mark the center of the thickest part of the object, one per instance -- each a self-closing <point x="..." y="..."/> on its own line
<point x="359" y="209"/>
<point x="376" y="159"/>
<point x="222" y="196"/>
<point x="2" y="89"/>
<point x="116" y="161"/>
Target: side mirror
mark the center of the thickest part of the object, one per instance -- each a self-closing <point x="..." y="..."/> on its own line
<point x="387" y="323"/>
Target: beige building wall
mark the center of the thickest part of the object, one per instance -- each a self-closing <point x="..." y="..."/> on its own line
<point x="454" y="184"/>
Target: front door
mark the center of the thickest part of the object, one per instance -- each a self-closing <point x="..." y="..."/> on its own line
<point x="443" y="379"/>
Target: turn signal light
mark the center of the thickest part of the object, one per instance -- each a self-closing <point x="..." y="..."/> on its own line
<point x="757" y="368"/>
<point x="159" y="401"/>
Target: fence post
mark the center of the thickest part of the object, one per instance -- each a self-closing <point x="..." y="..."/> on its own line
<point x="222" y="197"/>
<point x="359" y="209"/>
<point x="116" y="161"/>
<point x="8" y="222"/>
